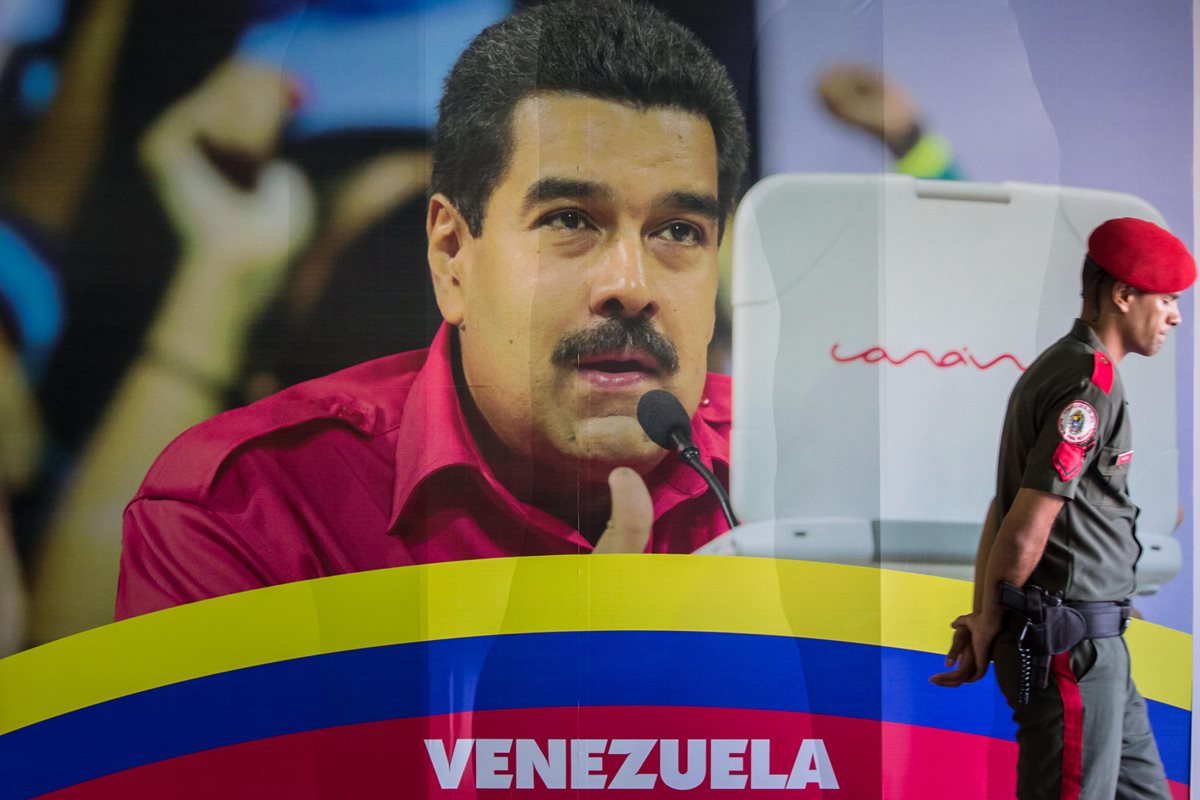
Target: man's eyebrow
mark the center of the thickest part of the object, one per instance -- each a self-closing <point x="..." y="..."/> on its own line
<point x="547" y="189"/>
<point x="703" y="204"/>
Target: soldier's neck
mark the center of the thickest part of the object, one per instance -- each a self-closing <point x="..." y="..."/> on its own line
<point x="1106" y="331"/>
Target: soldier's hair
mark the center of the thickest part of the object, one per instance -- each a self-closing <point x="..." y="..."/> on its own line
<point x="1095" y="283"/>
<point x="608" y="49"/>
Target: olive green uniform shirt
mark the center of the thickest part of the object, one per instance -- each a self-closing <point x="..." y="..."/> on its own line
<point x="1066" y="435"/>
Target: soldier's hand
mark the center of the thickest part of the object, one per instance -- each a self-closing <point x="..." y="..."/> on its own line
<point x="969" y="654"/>
<point x="632" y="517"/>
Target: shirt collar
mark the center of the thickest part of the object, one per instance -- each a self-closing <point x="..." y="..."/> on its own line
<point x="1086" y="334"/>
<point x="433" y="435"/>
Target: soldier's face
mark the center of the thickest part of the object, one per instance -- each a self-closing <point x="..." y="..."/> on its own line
<point x="1149" y="319"/>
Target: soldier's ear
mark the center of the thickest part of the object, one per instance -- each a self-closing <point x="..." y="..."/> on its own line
<point x="449" y="254"/>
<point x="1123" y="295"/>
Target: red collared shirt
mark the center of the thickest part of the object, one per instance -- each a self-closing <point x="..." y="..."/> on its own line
<point x="370" y="467"/>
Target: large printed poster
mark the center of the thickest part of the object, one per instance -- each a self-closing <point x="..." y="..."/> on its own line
<point x="205" y="204"/>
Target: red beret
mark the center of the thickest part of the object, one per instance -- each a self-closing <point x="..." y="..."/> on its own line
<point x="1143" y="255"/>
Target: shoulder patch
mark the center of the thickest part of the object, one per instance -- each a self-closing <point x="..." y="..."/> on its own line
<point x="1102" y="372"/>
<point x="1068" y="458"/>
<point x="1077" y="422"/>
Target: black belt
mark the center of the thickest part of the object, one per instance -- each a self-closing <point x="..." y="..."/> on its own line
<point x="1101" y="619"/>
<point x="1053" y="626"/>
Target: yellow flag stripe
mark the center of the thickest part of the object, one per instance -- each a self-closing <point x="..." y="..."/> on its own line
<point x="519" y="595"/>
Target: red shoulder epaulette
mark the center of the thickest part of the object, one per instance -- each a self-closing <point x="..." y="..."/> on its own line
<point x="188" y="467"/>
<point x="1102" y="372"/>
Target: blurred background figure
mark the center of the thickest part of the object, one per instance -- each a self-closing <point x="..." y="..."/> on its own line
<point x="863" y="97"/>
<point x="240" y="214"/>
<point x="52" y="121"/>
<point x="20" y="450"/>
<point x="268" y="172"/>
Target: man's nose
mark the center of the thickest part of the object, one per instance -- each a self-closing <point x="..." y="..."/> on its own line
<point x="1173" y="318"/>
<point x="620" y="281"/>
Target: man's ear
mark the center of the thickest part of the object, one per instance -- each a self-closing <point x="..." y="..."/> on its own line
<point x="1122" y="295"/>
<point x="449" y="250"/>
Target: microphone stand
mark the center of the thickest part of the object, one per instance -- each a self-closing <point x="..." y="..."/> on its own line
<point x="690" y="455"/>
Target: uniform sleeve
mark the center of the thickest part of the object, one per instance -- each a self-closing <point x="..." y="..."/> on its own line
<point x="1069" y="438"/>
<point x="174" y="552"/>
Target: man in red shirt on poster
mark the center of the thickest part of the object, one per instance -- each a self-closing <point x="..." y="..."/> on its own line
<point x="587" y="156"/>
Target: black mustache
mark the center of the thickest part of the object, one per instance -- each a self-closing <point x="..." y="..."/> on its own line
<point x="617" y="334"/>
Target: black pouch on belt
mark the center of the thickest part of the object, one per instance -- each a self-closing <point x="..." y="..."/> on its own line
<point x="1050" y="628"/>
<point x="1062" y="629"/>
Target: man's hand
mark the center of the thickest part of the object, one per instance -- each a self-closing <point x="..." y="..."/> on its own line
<point x="632" y="517"/>
<point x="211" y="157"/>
<point x="970" y="649"/>
<point x="240" y="212"/>
<point x="861" y="96"/>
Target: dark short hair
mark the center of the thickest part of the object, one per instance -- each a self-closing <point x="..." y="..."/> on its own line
<point x="1095" y="283"/>
<point x="609" y="49"/>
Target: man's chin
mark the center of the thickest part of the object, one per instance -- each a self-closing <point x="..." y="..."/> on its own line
<point x="1152" y="349"/>
<point x="603" y="443"/>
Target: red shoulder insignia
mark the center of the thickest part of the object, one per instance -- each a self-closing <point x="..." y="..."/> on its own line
<point x="187" y="468"/>
<point x="1068" y="458"/>
<point x="1102" y="372"/>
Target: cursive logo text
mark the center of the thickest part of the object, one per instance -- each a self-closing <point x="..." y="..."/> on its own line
<point x="951" y="358"/>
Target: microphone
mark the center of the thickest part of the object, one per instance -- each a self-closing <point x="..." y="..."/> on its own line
<point x="664" y="420"/>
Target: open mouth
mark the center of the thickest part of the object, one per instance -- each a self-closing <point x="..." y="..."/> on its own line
<point x="618" y="369"/>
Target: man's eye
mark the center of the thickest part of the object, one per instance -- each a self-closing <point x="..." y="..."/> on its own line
<point x="683" y="233"/>
<point x="565" y="220"/>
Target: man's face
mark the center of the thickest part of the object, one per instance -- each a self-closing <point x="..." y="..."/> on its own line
<point x="1147" y="322"/>
<point x="594" y="279"/>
